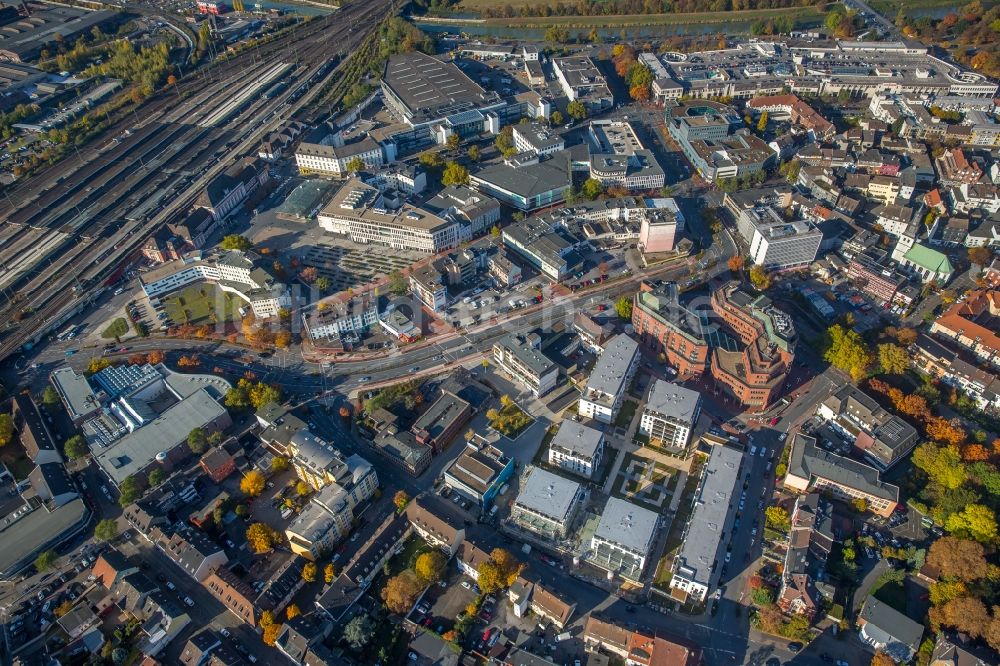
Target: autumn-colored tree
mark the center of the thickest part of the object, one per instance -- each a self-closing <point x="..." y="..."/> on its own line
<point x="401" y="591"/>
<point x="345" y="412"/>
<point x="893" y="359"/>
<point x="302" y="488"/>
<point x="400" y="499"/>
<point x="430" y="567"/>
<point x="980" y="256"/>
<point x="252" y="483"/>
<point x="63" y="608"/>
<point x="943" y="430"/>
<point x="944" y="591"/>
<point x="188" y="361"/>
<point x="499" y="571"/>
<point x="882" y="659"/>
<point x="965" y="614"/>
<point x="735" y="263"/>
<point x="283" y="339"/>
<point x="309" y="274"/>
<point x="846" y="350"/>
<point x="292" y="611"/>
<point x="329" y="572"/>
<point x="262" y="538"/>
<point x="975" y="453"/>
<point x="309" y="571"/>
<point x="449" y="636"/>
<point x="776" y="518"/>
<point x="769" y="618"/>
<point x="760" y="278"/>
<point x="270" y="627"/>
<point x="155" y="357"/>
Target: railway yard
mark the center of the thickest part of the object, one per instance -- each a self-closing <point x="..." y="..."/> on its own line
<point x="70" y="228"/>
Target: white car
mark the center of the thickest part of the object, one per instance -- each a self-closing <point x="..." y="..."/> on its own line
<point x="225" y="632"/>
<point x="729" y="556"/>
<point x="466" y="585"/>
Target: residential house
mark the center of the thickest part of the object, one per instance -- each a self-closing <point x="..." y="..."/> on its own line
<point x="885" y="628"/>
<point x="810" y="540"/>
<point x="437" y="522"/>
<point x="882" y="438"/>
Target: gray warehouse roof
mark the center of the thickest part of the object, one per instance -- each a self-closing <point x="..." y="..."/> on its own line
<point x="138" y="449"/>
<point x="548" y="494"/>
<point x="76" y="392"/>
<point x="577" y="439"/>
<point x="711" y="510"/>
<point x="626" y="524"/>
<point x="673" y="401"/>
<point x="424" y="83"/>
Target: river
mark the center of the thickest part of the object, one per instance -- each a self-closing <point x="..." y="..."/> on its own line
<point x="292" y="7"/>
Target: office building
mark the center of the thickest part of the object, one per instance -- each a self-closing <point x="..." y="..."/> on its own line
<point x="527" y="181"/>
<point x="882" y="438"/>
<point x="605" y="390"/>
<point x="665" y="326"/>
<point x="670" y="415"/>
<point x="479" y="473"/>
<point x="581" y="81"/>
<point x="695" y="569"/>
<point x="777" y="243"/>
<point x="547" y="504"/>
<point x="577" y="448"/>
<point x="810" y="468"/>
<point x="546" y="246"/>
<point x="365" y="215"/>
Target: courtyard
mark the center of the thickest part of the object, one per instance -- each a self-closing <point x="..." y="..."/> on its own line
<point x="646" y="482"/>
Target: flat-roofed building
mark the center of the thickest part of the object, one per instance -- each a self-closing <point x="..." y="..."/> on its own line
<point x="527" y="181"/>
<point x="577" y="448"/>
<point x="623" y="539"/>
<point x="440" y="422"/>
<point x="365" y="215"/>
<point x="883" y="438"/>
<point x="777" y="243"/>
<point x="605" y="390"/>
<point x="522" y="359"/>
<point x="537" y="138"/>
<point x="665" y="326"/>
<point x="810" y="468"/>
<point x="547" y="504"/>
<point x="543" y="245"/>
<point x="670" y="415"/>
<point x="479" y="473"/>
<point x="582" y="81"/>
<point x="401" y="448"/>
<point x="166" y="434"/>
<point x="77" y="395"/>
<point x="694" y="568"/>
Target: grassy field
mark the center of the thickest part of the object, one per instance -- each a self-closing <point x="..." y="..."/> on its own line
<point x="889" y="8"/>
<point x="646" y="20"/>
<point x="116" y="329"/>
<point x="196" y="305"/>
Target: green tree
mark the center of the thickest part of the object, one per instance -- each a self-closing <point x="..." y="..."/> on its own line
<point x="474" y="153"/>
<point x="453" y="141"/>
<point x="790" y="170"/>
<point x="504" y="140"/>
<point x="355" y="164"/>
<point x="359" y="632"/>
<point x="431" y="160"/>
<point x="50" y="397"/>
<point x="46" y="560"/>
<point x="106" y="530"/>
<point x="455" y="174"/>
<point x="197" y="441"/>
<point x="236" y="242"/>
<point x="975" y="521"/>
<point x="941" y="463"/>
<point x="776" y="518"/>
<point x="576" y="110"/>
<point x="397" y="283"/>
<point x="322" y="283"/>
<point x="591" y="188"/>
<point x="557" y="118"/>
<point x="75" y="447"/>
<point x="623" y="306"/>
<point x="156" y="477"/>
<point x="846" y="350"/>
<point x="279" y="464"/>
<point x="893" y="359"/>
<point x="6" y="428"/>
<point x="129" y="490"/>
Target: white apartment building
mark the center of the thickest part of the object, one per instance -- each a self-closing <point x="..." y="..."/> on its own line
<point x="602" y="397"/>
<point x="547" y="504"/>
<point x="522" y="360"/>
<point x="623" y="538"/>
<point x="362" y="213"/>
<point x="577" y="448"/>
<point x="670" y="415"/>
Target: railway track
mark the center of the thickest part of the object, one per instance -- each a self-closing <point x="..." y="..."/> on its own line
<point x="176" y="154"/>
